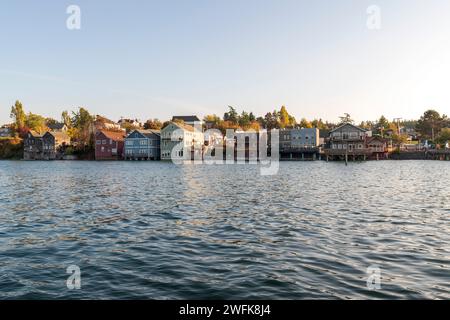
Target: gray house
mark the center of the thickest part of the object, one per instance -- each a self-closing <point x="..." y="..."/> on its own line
<point x="57" y="127"/>
<point x="299" y="143"/>
<point x="348" y="140"/>
<point x="143" y="145"/>
<point x="48" y="146"/>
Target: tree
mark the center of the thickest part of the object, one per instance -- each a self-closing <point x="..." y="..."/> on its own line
<point x="381" y="126"/>
<point x="165" y="124"/>
<point x="319" y="124"/>
<point x="254" y="125"/>
<point x="82" y="119"/>
<point x="36" y="123"/>
<point x="154" y="124"/>
<point x="285" y="119"/>
<point x="399" y="139"/>
<point x="271" y="120"/>
<point x="212" y="118"/>
<point x="346" y="118"/>
<point x="50" y="121"/>
<point x="305" y="123"/>
<point x="430" y="124"/>
<point x="244" y="120"/>
<point x="444" y="136"/>
<point x="19" y="116"/>
<point x="66" y="119"/>
<point x="231" y="116"/>
<point x="82" y="122"/>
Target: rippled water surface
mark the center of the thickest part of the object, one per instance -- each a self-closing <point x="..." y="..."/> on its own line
<point x="150" y="230"/>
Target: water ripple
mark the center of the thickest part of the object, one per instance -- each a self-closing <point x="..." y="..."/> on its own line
<point x="155" y="230"/>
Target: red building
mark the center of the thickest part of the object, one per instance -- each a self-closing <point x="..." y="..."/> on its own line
<point x="109" y="145"/>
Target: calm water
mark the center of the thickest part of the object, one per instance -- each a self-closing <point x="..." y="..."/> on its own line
<point x="155" y="230"/>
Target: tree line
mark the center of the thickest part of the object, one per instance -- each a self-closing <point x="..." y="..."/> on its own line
<point x="431" y="126"/>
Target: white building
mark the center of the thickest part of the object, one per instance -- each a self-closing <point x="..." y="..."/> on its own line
<point x="181" y="141"/>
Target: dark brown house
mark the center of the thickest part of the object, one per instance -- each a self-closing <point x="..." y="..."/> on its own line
<point x="48" y="146"/>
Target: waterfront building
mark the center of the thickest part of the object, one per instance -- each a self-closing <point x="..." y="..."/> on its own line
<point x="32" y="146"/>
<point x="299" y="144"/>
<point x="379" y="147"/>
<point x="246" y="146"/>
<point x="48" y="146"/>
<point x="213" y="144"/>
<point x="109" y="145"/>
<point x="348" y="140"/>
<point x="188" y="140"/>
<point x="143" y="145"/>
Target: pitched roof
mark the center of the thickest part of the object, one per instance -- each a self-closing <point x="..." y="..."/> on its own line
<point x="186" y="118"/>
<point x="35" y="134"/>
<point x="113" y="135"/>
<point x="56" y="126"/>
<point x="102" y="119"/>
<point x="348" y="124"/>
<point x="147" y="133"/>
<point x="376" y="138"/>
<point x="59" y="135"/>
<point x="184" y="126"/>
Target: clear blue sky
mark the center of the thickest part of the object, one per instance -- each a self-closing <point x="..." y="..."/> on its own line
<point x="150" y="59"/>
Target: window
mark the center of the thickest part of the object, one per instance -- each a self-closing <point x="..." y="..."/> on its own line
<point x="99" y="142"/>
<point x="103" y="141"/>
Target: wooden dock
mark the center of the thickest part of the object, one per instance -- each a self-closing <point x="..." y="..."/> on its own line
<point x="438" y="154"/>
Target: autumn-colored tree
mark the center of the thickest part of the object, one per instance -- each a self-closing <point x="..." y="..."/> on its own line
<point x="305" y="123"/>
<point x="153" y="124"/>
<point x="285" y="119"/>
<point x="254" y="125"/>
<point x="19" y="117"/>
<point x="36" y="123"/>
<point x="66" y="119"/>
<point x="82" y="122"/>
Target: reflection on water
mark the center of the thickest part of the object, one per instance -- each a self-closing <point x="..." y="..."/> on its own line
<point x="156" y="230"/>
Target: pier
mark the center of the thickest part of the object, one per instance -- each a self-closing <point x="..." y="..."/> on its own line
<point x="438" y="154"/>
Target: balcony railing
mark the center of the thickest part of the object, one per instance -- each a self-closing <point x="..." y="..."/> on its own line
<point x="347" y="138"/>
